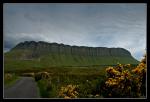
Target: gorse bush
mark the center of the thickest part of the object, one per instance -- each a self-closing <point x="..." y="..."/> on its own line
<point x="8" y="76"/>
<point x="123" y="81"/>
<point x="70" y="91"/>
<point x="140" y="79"/>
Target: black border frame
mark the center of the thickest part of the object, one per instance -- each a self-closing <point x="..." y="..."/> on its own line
<point x="76" y="1"/>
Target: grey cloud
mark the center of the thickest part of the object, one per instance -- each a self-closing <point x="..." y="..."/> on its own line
<point x="110" y="25"/>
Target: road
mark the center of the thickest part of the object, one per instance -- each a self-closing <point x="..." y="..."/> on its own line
<point x="24" y="88"/>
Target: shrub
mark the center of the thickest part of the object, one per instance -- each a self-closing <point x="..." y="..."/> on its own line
<point x="140" y="79"/>
<point x="41" y="75"/>
<point x="8" y="76"/>
<point x="121" y="82"/>
<point x="70" y="91"/>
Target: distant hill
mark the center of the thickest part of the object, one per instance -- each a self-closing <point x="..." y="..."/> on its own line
<point x="42" y="54"/>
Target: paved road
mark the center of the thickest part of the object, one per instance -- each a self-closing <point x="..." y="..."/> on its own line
<point x="24" y="88"/>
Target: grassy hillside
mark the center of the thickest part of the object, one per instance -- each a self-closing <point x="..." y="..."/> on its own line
<point x="12" y="61"/>
<point x="39" y="55"/>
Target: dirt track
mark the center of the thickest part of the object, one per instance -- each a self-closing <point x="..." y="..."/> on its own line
<point x="24" y="88"/>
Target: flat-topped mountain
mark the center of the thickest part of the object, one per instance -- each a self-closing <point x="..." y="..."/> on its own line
<point x="40" y="48"/>
<point x="54" y="54"/>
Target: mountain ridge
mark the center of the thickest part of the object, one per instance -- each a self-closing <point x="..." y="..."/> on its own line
<point x="62" y="48"/>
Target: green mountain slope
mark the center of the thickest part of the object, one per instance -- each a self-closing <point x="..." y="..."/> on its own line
<point x="32" y="54"/>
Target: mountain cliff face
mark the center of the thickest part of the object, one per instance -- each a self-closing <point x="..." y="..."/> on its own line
<point x="40" y="48"/>
<point x="53" y="54"/>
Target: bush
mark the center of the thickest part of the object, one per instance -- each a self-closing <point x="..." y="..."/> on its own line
<point x="8" y="76"/>
<point x="41" y="75"/>
<point x="121" y="82"/>
<point x="69" y="91"/>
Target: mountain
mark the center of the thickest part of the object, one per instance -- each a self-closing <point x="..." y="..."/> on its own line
<point x="43" y="54"/>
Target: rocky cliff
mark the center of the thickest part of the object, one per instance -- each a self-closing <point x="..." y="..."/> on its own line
<point x="40" y="48"/>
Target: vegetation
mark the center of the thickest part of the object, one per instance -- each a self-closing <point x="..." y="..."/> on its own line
<point x="54" y="61"/>
<point x="41" y="75"/>
<point x="69" y="91"/>
<point x="122" y="81"/>
<point x="10" y="79"/>
<point x="87" y="80"/>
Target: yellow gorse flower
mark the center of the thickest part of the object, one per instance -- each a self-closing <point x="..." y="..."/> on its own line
<point x="69" y="91"/>
<point x="120" y="78"/>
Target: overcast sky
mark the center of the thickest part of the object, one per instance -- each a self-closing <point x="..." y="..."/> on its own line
<point x="95" y="25"/>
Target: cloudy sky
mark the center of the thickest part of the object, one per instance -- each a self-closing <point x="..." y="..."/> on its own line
<point x="95" y="25"/>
